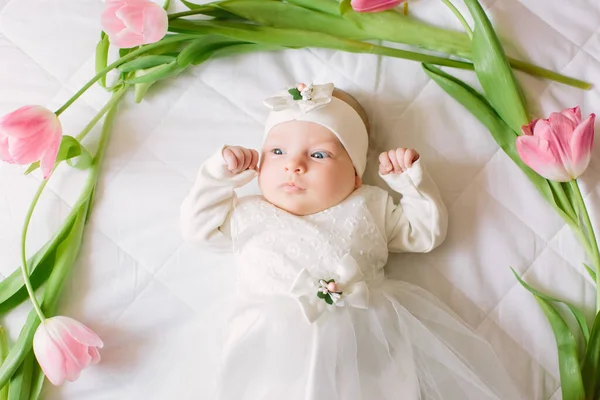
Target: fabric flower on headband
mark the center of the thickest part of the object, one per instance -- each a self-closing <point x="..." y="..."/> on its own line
<point x="305" y="97"/>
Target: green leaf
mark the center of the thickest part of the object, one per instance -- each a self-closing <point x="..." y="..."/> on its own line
<point x="289" y="16"/>
<point x="568" y="363"/>
<point x="3" y="354"/>
<point x="158" y="73"/>
<point x="37" y="381"/>
<point x="321" y="295"/>
<point x="20" y="383"/>
<point x="574" y="310"/>
<point x="20" y="349"/>
<point x="145" y="62"/>
<point x="211" y="9"/>
<point x="590" y="271"/>
<point x="69" y="149"/>
<point x="395" y="27"/>
<point x="167" y="4"/>
<point x="501" y="132"/>
<point x="66" y="253"/>
<point x="140" y="90"/>
<point x="102" y="57"/>
<point x="201" y="49"/>
<point x="591" y="364"/>
<point x="494" y="72"/>
<point x="345" y="7"/>
<point x="296" y="96"/>
<point x="12" y="288"/>
<point x="241" y="49"/>
<point x="295" y="38"/>
<point x="328" y="299"/>
<point x="325" y="6"/>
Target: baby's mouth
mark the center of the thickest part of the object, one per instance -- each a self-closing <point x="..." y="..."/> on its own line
<point x="291" y="187"/>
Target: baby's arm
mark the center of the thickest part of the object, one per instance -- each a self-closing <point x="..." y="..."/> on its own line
<point x="205" y="212"/>
<point x="418" y="223"/>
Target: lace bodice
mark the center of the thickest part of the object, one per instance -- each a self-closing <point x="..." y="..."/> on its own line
<point x="273" y="246"/>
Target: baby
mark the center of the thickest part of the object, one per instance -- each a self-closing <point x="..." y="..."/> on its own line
<point x="315" y="316"/>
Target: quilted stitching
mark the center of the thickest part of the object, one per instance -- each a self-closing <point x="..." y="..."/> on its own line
<point x="138" y="285"/>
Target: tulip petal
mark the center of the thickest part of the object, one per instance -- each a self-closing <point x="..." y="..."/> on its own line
<point x="528" y="129"/>
<point x="132" y="16"/>
<point x="156" y="23"/>
<point x="127" y="39"/>
<point x="75" y="355"/>
<point x="538" y="155"/>
<point x="374" y="5"/>
<point x="110" y="23"/>
<point x="4" y="154"/>
<point x="80" y="332"/>
<point x="562" y="128"/>
<point x="556" y="130"/>
<point x="582" y="142"/>
<point x="49" y="356"/>
<point x="94" y="354"/>
<point x="26" y="151"/>
<point x="26" y="121"/>
<point x="574" y="114"/>
<point x="49" y="158"/>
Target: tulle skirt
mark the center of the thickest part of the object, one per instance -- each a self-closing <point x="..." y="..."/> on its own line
<point x="407" y="345"/>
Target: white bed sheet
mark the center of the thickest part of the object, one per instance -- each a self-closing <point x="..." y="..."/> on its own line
<point x="156" y="301"/>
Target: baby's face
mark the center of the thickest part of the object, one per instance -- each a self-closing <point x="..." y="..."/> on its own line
<point x="305" y="169"/>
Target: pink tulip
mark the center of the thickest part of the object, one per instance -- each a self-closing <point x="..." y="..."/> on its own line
<point x="29" y="134"/>
<point x="374" y="5"/>
<point x="130" y="23"/>
<point x="64" y="347"/>
<point x="558" y="148"/>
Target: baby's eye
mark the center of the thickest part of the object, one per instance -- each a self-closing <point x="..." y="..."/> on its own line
<point x="319" y="154"/>
<point x="277" y="151"/>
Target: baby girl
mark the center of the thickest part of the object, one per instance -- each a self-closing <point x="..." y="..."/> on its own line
<point x="315" y="316"/>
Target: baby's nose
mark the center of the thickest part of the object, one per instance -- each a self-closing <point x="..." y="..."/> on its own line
<point x="295" y="166"/>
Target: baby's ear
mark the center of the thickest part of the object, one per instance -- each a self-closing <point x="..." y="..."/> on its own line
<point x="357" y="181"/>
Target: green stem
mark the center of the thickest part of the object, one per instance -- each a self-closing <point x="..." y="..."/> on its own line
<point x="100" y="114"/>
<point x="294" y="38"/>
<point x="461" y="19"/>
<point x="3" y="354"/>
<point x="591" y="237"/>
<point x="392" y="36"/>
<point x="410" y="55"/>
<point x="110" y="106"/>
<point x="548" y="74"/>
<point x="24" y="269"/>
<point x="106" y="130"/>
<point x="565" y="204"/>
<point x="122" y="60"/>
<point x="197" y="11"/>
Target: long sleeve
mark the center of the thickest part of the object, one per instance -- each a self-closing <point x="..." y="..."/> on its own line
<point x="206" y="210"/>
<point x="419" y="222"/>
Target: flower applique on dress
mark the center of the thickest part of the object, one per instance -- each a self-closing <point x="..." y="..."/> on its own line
<point x="344" y="287"/>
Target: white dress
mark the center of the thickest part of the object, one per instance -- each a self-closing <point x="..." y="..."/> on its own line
<point x="380" y="339"/>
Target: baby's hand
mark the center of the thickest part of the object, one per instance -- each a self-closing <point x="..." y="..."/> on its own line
<point x="397" y="160"/>
<point x="240" y="159"/>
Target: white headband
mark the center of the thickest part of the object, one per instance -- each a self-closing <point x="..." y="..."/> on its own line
<point x="315" y="103"/>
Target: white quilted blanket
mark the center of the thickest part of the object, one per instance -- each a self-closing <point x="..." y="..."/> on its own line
<point x="156" y="301"/>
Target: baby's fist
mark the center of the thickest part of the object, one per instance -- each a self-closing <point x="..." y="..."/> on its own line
<point x="397" y="160"/>
<point x="240" y="159"/>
